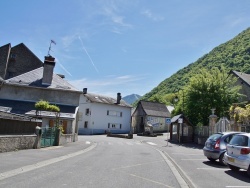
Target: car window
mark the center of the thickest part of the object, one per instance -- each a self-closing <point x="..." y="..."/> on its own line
<point x="228" y="138"/>
<point x="215" y="137"/>
<point x="239" y="140"/>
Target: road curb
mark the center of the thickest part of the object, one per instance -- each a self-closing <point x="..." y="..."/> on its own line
<point x="180" y="175"/>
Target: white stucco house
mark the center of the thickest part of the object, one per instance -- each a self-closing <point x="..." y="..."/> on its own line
<point x="100" y="114"/>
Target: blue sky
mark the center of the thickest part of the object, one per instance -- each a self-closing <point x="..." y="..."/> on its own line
<point x="126" y="46"/>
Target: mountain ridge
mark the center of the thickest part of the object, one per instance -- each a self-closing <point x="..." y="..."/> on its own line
<point x="234" y="54"/>
<point x="130" y="99"/>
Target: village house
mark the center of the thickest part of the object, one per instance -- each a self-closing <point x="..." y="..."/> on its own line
<point x="19" y="94"/>
<point x="100" y="114"/>
<point x="150" y="114"/>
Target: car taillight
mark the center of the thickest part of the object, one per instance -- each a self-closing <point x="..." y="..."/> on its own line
<point x="217" y="145"/>
<point x="245" y="151"/>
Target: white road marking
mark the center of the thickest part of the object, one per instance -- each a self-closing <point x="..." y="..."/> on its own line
<point x="237" y="186"/>
<point x="186" y="154"/>
<point x="192" y="159"/>
<point x="212" y="169"/>
<point x="41" y="164"/>
<point x="151" y="143"/>
<point x="87" y="142"/>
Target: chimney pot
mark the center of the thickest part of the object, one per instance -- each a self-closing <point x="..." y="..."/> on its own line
<point x="84" y="91"/>
<point x="119" y="97"/>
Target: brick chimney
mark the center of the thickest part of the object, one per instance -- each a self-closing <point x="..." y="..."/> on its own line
<point x="48" y="69"/>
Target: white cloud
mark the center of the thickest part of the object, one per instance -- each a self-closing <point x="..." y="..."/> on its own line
<point x="110" y="84"/>
<point x="152" y="16"/>
<point x="68" y="40"/>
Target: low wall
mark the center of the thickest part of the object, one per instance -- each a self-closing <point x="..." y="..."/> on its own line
<point x="67" y="138"/>
<point x="17" y="142"/>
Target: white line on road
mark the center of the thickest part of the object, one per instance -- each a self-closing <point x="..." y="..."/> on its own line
<point x="87" y="142"/>
<point x="41" y="164"/>
<point x="192" y="159"/>
<point x="177" y="172"/>
<point x="239" y="186"/>
<point x="212" y="169"/>
<point x="186" y="154"/>
<point x="151" y="143"/>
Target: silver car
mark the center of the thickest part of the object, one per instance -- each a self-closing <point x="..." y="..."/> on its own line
<point x="215" y="146"/>
<point x="238" y="153"/>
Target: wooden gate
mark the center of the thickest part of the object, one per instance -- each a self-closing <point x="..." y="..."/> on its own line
<point x="48" y="137"/>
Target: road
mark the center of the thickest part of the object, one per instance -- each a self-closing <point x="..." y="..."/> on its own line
<point x="100" y="161"/>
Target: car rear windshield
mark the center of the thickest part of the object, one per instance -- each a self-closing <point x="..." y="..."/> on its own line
<point x="239" y="140"/>
<point x="215" y="137"/>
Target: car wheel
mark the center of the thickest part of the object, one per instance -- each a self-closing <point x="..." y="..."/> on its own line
<point x="222" y="160"/>
<point x="233" y="168"/>
<point x="248" y="171"/>
<point x="211" y="159"/>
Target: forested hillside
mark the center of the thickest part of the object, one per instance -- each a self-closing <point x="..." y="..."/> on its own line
<point x="234" y="54"/>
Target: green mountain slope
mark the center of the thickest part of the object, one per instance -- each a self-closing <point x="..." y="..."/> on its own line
<point x="234" y="54"/>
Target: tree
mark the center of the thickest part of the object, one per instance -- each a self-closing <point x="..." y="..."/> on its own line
<point x="240" y="114"/>
<point x="44" y="105"/>
<point x="208" y="89"/>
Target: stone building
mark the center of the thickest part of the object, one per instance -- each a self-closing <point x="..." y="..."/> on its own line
<point x="150" y="113"/>
<point x="17" y="60"/>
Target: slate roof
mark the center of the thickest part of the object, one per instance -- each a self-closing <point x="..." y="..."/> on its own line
<point x="34" y="79"/>
<point x="155" y="109"/>
<point x="244" y="77"/>
<point x="105" y="100"/>
<point x="8" y="115"/>
<point x="28" y="108"/>
<point x="175" y="119"/>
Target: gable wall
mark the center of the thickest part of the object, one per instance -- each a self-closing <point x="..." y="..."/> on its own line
<point x="245" y="90"/>
<point x="13" y="92"/>
<point x="23" y="62"/>
<point x="98" y="119"/>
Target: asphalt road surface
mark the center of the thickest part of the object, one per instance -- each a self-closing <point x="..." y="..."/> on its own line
<point x="100" y="161"/>
<point x="107" y="162"/>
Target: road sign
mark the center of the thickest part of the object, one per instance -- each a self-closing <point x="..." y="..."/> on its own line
<point x="168" y="121"/>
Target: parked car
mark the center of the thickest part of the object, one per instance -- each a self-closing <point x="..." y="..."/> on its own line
<point x="215" y="146"/>
<point x="238" y="153"/>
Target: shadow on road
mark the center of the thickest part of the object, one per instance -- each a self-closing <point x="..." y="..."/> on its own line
<point x="240" y="175"/>
<point x="215" y="164"/>
<point x="187" y="145"/>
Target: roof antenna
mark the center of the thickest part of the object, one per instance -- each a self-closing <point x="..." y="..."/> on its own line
<point x="51" y="41"/>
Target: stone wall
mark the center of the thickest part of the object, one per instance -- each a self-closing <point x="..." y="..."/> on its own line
<point x="17" y="142"/>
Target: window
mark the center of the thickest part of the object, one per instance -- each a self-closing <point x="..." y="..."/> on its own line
<point x="87" y="112"/>
<point x="85" y="124"/>
<point x="114" y="125"/>
<point x="12" y="56"/>
<point x="114" y="113"/>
